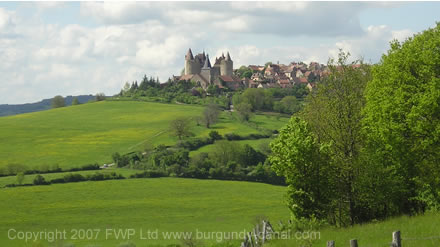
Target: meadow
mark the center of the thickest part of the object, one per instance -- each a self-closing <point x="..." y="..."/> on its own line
<point x="256" y="144"/>
<point x="29" y="178"/>
<point x="416" y="231"/>
<point x="84" y="134"/>
<point x="165" y="204"/>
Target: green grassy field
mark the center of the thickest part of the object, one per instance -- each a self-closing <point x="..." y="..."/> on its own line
<point x="84" y="134"/>
<point x="417" y="231"/>
<point x="28" y="179"/>
<point x="165" y="204"/>
<point x="253" y="143"/>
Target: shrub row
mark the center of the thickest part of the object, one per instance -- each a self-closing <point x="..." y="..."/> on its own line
<point x="149" y="174"/>
<point x="76" y="177"/>
<point x="194" y="143"/>
<point x="71" y="178"/>
<point x="55" y="169"/>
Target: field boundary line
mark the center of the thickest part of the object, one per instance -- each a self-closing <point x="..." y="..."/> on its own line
<point x="157" y="134"/>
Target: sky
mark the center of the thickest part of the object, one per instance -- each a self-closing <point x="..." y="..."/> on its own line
<point x="74" y="48"/>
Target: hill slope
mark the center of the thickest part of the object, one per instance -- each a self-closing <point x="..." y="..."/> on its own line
<point x="77" y="135"/>
<point x="45" y="104"/>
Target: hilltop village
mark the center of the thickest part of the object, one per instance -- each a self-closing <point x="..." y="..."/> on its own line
<point x="199" y="70"/>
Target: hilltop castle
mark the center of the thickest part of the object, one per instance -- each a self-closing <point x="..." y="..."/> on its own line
<point x="198" y="69"/>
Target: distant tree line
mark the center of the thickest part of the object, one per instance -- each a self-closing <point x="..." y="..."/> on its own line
<point x="69" y="178"/>
<point x="150" y="89"/>
<point x="14" y="169"/>
<point x="59" y="101"/>
<point x="281" y="100"/>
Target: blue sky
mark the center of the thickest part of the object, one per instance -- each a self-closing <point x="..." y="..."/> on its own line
<point x="71" y="48"/>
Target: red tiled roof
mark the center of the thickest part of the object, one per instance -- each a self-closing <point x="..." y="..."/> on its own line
<point x="284" y="81"/>
<point x="186" y="77"/>
<point x="256" y="67"/>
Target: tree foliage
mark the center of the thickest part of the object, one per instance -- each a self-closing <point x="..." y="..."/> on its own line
<point x="75" y="101"/>
<point x="375" y="135"/>
<point x="331" y="128"/>
<point x="210" y="115"/>
<point x="297" y="155"/>
<point x="58" y="101"/>
<point x="100" y="96"/>
<point x="403" y="116"/>
<point x="244" y="72"/>
<point x="181" y="127"/>
<point x="244" y="111"/>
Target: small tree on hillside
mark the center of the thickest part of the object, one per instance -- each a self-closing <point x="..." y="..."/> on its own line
<point x="20" y="178"/>
<point x="100" y="96"/>
<point x="58" y="101"/>
<point x="75" y="101"/>
<point x="180" y="127"/>
<point x="210" y="115"/>
<point x="40" y="180"/>
<point x="244" y="111"/>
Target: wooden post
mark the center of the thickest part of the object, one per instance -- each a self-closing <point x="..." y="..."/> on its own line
<point x="245" y="242"/>
<point x="353" y="243"/>
<point x="256" y="237"/>
<point x="269" y="227"/>
<point x="250" y="239"/>
<point x="396" y="239"/>
<point x="264" y="231"/>
<point x="331" y="243"/>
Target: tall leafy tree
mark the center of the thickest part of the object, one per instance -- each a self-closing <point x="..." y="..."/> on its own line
<point x="334" y="114"/>
<point x="403" y="117"/>
<point x="297" y="155"/>
<point x="330" y="127"/>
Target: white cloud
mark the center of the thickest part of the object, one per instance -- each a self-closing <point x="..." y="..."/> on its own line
<point x="133" y="39"/>
<point x="277" y="6"/>
<point x="118" y="12"/>
<point x="237" y="24"/>
<point x="5" y="19"/>
<point x="402" y="35"/>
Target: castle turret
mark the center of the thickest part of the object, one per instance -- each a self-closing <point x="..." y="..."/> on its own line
<point x="189" y="60"/>
<point x="226" y="65"/>
<point x="189" y="55"/>
<point x="193" y="64"/>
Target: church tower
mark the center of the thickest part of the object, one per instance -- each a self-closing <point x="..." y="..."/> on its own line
<point x="206" y="70"/>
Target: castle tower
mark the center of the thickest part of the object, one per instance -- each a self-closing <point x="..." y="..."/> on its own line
<point x="226" y="65"/>
<point x="206" y="70"/>
<point x="189" y="61"/>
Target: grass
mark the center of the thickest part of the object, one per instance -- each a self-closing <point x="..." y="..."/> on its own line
<point x="28" y="179"/>
<point x="89" y="133"/>
<point x="417" y="231"/>
<point x="166" y="204"/>
<point x="253" y="143"/>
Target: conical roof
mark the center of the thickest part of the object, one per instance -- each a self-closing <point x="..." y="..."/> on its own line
<point x="189" y="55"/>
<point x="228" y="58"/>
<point x="207" y="64"/>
